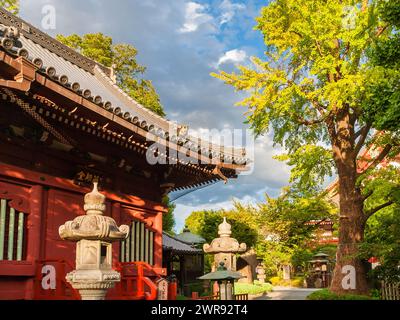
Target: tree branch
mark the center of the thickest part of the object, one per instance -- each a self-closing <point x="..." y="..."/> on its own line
<point x="369" y="213"/>
<point x="381" y="30"/>
<point x="296" y="33"/>
<point x="318" y="48"/>
<point x="365" y="197"/>
<point x="305" y="122"/>
<point x="380" y="157"/>
<point x="362" y="133"/>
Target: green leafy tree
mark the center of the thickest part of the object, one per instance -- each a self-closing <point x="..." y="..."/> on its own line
<point x="242" y="219"/>
<point x="122" y="57"/>
<point x="382" y="106"/>
<point x="310" y="91"/>
<point x="168" y="218"/>
<point x="284" y="218"/>
<point x="274" y="254"/>
<point x="382" y="234"/>
<point x="10" y="5"/>
<point x="288" y="239"/>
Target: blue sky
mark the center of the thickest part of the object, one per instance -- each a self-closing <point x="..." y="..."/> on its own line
<point x="181" y="42"/>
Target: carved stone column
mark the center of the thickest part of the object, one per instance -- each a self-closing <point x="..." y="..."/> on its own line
<point x="94" y="234"/>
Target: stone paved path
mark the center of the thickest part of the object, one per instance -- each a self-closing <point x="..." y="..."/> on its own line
<point x="285" y="293"/>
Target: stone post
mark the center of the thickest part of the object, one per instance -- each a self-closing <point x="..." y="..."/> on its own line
<point x="93" y="234"/>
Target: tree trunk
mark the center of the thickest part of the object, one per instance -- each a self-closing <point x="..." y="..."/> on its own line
<point x="350" y="274"/>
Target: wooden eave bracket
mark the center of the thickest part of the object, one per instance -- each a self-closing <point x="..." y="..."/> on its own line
<point x="217" y="171"/>
<point x="23" y="80"/>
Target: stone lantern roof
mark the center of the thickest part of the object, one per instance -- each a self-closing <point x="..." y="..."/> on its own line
<point x="94" y="225"/>
<point x="224" y="244"/>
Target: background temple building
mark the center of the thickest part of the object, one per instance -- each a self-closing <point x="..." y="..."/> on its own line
<point x="183" y="258"/>
<point x="64" y="124"/>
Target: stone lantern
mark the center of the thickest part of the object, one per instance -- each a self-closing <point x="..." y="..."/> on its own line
<point x="319" y="271"/>
<point x="225" y="279"/>
<point x="260" y="270"/>
<point x="225" y="248"/>
<point x="94" y="234"/>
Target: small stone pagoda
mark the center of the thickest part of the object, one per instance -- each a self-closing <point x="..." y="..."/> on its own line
<point x="224" y="248"/>
<point x="94" y="234"/>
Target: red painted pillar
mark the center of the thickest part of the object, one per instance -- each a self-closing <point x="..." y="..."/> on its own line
<point x="34" y="234"/>
<point x="195" y="296"/>
<point x="172" y="289"/>
<point x="158" y="241"/>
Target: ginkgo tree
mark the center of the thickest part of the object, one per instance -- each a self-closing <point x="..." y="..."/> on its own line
<point x="10" y="5"/>
<point x="313" y="92"/>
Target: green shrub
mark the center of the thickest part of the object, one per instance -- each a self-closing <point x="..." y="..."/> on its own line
<point x="325" y="294"/>
<point x="275" y="281"/>
<point x="181" y="298"/>
<point x="243" y="288"/>
<point x="295" y="282"/>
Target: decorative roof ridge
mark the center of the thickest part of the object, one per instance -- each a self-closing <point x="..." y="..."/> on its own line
<point x="50" y="43"/>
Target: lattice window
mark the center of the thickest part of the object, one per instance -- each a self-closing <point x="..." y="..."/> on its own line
<point x="139" y="246"/>
<point x="12" y="233"/>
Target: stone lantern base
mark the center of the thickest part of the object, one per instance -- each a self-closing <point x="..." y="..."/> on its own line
<point x="93" y="284"/>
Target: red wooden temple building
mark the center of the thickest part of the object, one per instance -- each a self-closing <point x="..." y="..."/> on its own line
<point x="63" y="124"/>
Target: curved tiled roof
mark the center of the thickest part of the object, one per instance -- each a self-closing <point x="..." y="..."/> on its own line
<point x="190" y="238"/>
<point x="92" y="81"/>
<point x="173" y="244"/>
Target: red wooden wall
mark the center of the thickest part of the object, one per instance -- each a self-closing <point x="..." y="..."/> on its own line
<point x="48" y="203"/>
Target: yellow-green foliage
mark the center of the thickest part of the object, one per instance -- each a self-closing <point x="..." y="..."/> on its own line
<point x="10" y="5"/>
<point x="122" y="57"/>
<point x="243" y="288"/>
<point x="242" y="218"/>
<point x="295" y="282"/>
<point x="315" y="67"/>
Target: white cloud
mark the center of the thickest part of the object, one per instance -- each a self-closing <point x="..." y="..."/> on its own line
<point x="194" y="17"/>
<point x="228" y="10"/>
<point x="233" y="56"/>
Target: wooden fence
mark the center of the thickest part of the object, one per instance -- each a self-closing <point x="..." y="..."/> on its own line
<point x="390" y="291"/>
<point x="243" y="296"/>
<point x="238" y="297"/>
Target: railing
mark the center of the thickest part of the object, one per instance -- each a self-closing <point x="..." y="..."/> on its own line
<point x="195" y="296"/>
<point x="135" y="282"/>
<point x="12" y="233"/>
<point x="240" y="297"/>
<point x="237" y="297"/>
<point x="134" y="285"/>
<point x="390" y="291"/>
